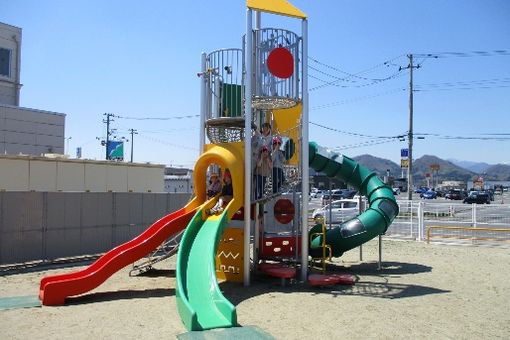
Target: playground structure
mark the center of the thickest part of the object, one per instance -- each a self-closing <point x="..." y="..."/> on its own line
<point x="265" y="81"/>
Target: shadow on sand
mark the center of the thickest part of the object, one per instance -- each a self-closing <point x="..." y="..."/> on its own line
<point x="370" y="282"/>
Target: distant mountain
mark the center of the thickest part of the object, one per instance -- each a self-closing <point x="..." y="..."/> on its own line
<point x="498" y="172"/>
<point x="379" y="165"/>
<point x="478" y="167"/>
<point x="448" y="170"/>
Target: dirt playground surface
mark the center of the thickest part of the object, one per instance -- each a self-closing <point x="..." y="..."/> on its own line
<point x="423" y="292"/>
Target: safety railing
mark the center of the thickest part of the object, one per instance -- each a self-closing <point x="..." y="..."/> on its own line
<point x="471" y="234"/>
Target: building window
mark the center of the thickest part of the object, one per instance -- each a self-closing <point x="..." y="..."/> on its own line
<point x="5" y="62"/>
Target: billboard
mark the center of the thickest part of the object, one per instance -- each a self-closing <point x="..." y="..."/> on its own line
<point x="115" y="150"/>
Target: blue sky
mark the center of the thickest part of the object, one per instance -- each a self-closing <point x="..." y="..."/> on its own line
<point x="139" y="59"/>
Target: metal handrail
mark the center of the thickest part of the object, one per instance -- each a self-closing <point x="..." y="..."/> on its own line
<point x="429" y="229"/>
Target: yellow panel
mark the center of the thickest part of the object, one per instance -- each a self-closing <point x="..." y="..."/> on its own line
<point x="281" y="7"/>
<point x="228" y="155"/>
<point x="286" y="123"/>
<point x="229" y="257"/>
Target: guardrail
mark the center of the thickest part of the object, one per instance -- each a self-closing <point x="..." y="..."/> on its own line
<point x="489" y="231"/>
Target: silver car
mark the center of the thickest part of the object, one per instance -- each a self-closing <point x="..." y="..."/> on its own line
<point x="341" y="211"/>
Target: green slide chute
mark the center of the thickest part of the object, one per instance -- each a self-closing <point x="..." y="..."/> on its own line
<point x="199" y="299"/>
<point x="374" y="221"/>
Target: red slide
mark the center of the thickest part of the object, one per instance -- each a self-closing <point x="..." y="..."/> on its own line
<point x="54" y="289"/>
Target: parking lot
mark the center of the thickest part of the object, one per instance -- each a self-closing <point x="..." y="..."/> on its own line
<point x="417" y="216"/>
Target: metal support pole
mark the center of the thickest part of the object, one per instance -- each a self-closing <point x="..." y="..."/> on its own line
<point x="380" y="253"/>
<point x="256" y="237"/>
<point x="410" y="132"/>
<point x="133" y="132"/>
<point x="305" y="173"/>
<point x="203" y="101"/>
<point x="247" y="144"/>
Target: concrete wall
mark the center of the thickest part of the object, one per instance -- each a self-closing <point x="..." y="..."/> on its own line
<point x="43" y="226"/>
<point x="27" y="173"/>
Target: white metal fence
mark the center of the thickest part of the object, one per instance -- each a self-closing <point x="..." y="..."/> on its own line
<point x="416" y="217"/>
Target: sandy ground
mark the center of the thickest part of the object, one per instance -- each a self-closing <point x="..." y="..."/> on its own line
<point x="422" y="292"/>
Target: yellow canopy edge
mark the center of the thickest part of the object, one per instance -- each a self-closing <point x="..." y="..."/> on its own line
<point x="281" y="7"/>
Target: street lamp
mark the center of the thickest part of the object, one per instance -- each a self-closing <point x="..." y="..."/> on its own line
<point x="67" y="146"/>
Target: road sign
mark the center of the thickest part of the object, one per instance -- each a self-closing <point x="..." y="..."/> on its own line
<point x="116" y="150"/>
<point x="404" y="163"/>
<point x="404" y="153"/>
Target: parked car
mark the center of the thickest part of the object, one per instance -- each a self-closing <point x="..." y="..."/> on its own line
<point x="396" y="191"/>
<point x="341" y="211"/>
<point x="421" y="190"/>
<point x="429" y="194"/>
<point x="455" y="194"/>
<point x="328" y="197"/>
<point x="440" y="193"/>
<point x="337" y="194"/>
<point x="478" y="197"/>
<point x="490" y="192"/>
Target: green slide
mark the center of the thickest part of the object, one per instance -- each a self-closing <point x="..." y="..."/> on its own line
<point x="200" y="302"/>
<point x="373" y="222"/>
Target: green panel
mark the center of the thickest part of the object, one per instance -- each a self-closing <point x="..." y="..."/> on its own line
<point x="199" y="299"/>
<point x="235" y="333"/>
<point x="231" y="100"/>
<point x="17" y="302"/>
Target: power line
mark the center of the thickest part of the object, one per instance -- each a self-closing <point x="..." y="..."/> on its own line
<point x="472" y="54"/>
<point x="465" y="85"/>
<point x="159" y="118"/>
<point x="357" y="99"/>
<point x="367" y="143"/>
<point x="180" y="146"/>
<point x="348" y="75"/>
<point x="351" y="133"/>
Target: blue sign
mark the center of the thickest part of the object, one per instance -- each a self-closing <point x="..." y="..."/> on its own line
<point x="116" y="150"/>
<point x="78" y="152"/>
<point x="404" y="153"/>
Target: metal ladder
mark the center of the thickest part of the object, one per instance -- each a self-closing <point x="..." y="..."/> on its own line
<point x="165" y="250"/>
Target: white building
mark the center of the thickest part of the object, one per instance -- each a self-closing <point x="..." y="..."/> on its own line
<point x="23" y="130"/>
<point x="178" y="180"/>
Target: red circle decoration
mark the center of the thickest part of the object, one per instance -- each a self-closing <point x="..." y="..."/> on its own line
<point x="284" y="211"/>
<point x="280" y="62"/>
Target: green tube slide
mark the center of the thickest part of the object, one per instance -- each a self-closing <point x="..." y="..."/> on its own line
<point x="374" y="221"/>
<point x="200" y="302"/>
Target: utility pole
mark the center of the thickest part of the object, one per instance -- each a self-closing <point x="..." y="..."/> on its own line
<point x="410" y="132"/>
<point x="108" y="120"/>
<point x="133" y="132"/>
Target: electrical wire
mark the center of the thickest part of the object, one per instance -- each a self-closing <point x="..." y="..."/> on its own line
<point x="471" y="54"/>
<point x="364" y="144"/>
<point x="159" y="118"/>
<point x="358" y="99"/>
<point x="351" y="133"/>
<point x="372" y="81"/>
<point x="187" y="147"/>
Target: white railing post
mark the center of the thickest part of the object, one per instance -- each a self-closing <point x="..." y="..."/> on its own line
<point x="421" y="220"/>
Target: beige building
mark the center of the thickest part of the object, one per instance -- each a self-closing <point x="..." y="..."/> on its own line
<point x="29" y="173"/>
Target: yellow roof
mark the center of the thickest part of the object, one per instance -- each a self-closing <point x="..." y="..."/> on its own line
<point x="281" y="7"/>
